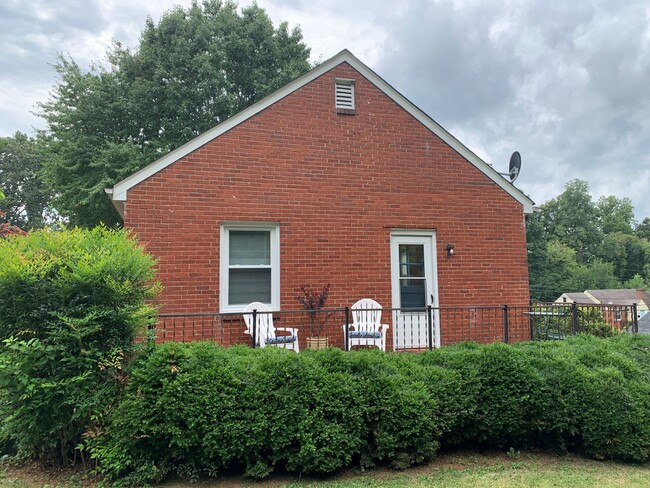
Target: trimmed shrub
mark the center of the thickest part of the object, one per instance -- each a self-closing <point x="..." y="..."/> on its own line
<point x="503" y="384"/>
<point x="199" y="409"/>
<point x="615" y="393"/>
<point x="71" y="303"/>
<point x="403" y="413"/>
<point x="196" y="409"/>
<point x="585" y="393"/>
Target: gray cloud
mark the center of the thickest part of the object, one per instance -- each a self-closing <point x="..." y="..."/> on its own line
<point x="32" y="33"/>
<point x="566" y="84"/>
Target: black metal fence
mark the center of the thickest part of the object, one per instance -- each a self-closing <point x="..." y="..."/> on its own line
<point x="407" y="330"/>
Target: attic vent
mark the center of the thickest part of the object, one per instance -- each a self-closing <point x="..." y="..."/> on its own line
<point x="345" y="96"/>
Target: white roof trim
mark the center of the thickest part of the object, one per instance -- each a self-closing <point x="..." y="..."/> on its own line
<point x="119" y="192"/>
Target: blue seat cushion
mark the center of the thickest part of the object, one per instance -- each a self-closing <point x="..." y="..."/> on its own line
<point x="361" y="334"/>
<point x="281" y="339"/>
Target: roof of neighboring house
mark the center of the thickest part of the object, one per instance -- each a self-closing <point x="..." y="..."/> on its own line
<point x="118" y="193"/>
<point x="578" y="297"/>
<point x="618" y="297"/>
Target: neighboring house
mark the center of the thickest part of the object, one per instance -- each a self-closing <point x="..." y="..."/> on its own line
<point x="335" y="178"/>
<point x="626" y="297"/>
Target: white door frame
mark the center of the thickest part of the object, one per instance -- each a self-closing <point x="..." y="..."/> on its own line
<point x="428" y="239"/>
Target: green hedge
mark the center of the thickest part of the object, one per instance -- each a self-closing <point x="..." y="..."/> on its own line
<point x="71" y="303"/>
<point x="196" y="409"/>
<point x="585" y="394"/>
<point x="199" y="409"/>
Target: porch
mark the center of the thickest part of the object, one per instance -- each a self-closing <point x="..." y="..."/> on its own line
<point x="409" y="329"/>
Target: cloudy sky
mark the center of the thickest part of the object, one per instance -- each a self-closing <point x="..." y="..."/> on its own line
<point x="567" y="84"/>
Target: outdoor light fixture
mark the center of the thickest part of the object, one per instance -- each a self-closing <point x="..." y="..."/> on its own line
<point x="450" y="249"/>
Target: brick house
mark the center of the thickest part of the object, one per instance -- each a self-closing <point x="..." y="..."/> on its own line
<point x="335" y="178"/>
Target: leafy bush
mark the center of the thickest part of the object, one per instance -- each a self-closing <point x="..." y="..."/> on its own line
<point x="503" y="384"/>
<point x="557" y="322"/>
<point x="584" y="393"/>
<point x="405" y="404"/>
<point x="615" y="397"/>
<point x="592" y="322"/>
<point x="199" y="409"/>
<point x="71" y="304"/>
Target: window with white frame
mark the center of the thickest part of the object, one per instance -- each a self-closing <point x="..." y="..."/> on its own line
<point x="250" y="265"/>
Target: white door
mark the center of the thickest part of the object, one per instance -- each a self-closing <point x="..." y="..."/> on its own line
<point x="413" y="271"/>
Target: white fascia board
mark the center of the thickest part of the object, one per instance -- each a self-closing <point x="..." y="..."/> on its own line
<point x="118" y="203"/>
<point x="119" y="191"/>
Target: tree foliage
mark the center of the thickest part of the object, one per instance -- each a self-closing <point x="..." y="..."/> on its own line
<point x="560" y="268"/>
<point x="537" y="256"/>
<point x="575" y="244"/>
<point x="628" y="254"/>
<point x="597" y="275"/>
<point x="192" y="70"/>
<point x="572" y="219"/>
<point x="26" y="198"/>
<point x="616" y="215"/>
<point x="643" y="229"/>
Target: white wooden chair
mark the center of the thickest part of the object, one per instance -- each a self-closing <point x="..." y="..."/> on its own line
<point x="366" y="328"/>
<point x="265" y="331"/>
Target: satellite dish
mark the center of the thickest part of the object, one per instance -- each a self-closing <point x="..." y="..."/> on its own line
<point x="515" y="167"/>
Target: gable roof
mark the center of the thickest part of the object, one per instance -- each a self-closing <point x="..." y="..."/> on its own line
<point x="577" y="297"/>
<point x="118" y="193"/>
<point x="619" y="297"/>
<point x="624" y="296"/>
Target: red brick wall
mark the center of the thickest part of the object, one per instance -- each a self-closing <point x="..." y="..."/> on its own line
<point x="337" y="184"/>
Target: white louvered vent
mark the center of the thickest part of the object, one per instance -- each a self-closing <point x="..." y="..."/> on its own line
<point x="345" y="94"/>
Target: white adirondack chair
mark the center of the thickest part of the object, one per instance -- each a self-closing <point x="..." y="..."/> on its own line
<point x="265" y="331"/>
<point x="366" y="328"/>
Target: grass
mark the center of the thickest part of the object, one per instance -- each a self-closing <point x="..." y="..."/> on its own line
<point x="491" y="470"/>
<point x="502" y="471"/>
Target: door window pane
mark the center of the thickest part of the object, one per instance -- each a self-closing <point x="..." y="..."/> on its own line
<point x="412" y="284"/>
<point x="412" y="293"/>
<point x="249" y="285"/>
<point x="250" y="248"/>
<point x="411" y="260"/>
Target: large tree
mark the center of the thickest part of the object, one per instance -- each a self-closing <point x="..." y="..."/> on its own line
<point x="561" y="269"/>
<point x="572" y="219"/>
<point x="628" y="254"/>
<point x="575" y="244"/>
<point x="616" y="215"/>
<point x="643" y="229"/>
<point x="192" y="70"/>
<point x="537" y="257"/>
<point x="26" y="197"/>
<point x="597" y="275"/>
